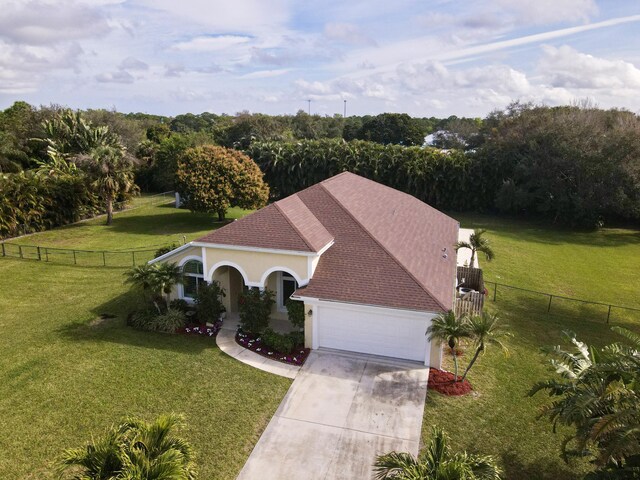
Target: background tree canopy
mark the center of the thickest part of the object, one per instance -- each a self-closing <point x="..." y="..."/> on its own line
<point x="575" y="165"/>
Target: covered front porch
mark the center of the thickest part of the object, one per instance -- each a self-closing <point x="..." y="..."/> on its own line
<point x="234" y="283"/>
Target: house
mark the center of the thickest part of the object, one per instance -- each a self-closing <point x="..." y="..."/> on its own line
<point x="372" y="265"/>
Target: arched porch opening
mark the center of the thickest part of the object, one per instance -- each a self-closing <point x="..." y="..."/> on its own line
<point x="283" y="283"/>
<point x="233" y="281"/>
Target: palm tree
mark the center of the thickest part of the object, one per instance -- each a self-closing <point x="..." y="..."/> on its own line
<point x="437" y="462"/>
<point x="477" y="243"/>
<point x="485" y="329"/>
<point x="158" y="279"/>
<point x="449" y="328"/>
<point x="597" y="395"/>
<point x="135" y="449"/>
<point x="112" y="172"/>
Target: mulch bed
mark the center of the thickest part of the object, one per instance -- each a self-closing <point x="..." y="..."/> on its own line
<point x="442" y="382"/>
<point x="197" y="329"/>
<point x="254" y="343"/>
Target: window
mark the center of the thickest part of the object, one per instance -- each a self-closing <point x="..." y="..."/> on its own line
<point x="288" y="285"/>
<point x="193" y="277"/>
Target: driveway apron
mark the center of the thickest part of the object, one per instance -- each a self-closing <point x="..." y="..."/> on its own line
<point x="340" y="413"/>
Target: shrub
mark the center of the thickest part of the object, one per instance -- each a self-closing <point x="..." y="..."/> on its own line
<point x="141" y="319"/>
<point x="255" y="310"/>
<point x="169" y="322"/>
<point x="297" y="338"/>
<point x="295" y="310"/>
<point x="162" y="250"/>
<point x="180" y="304"/>
<point x="279" y="342"/>
<point x="208" y="300"/>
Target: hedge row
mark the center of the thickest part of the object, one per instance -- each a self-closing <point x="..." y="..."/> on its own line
<point x="31" y="203"/>
<point x="446" y="180"/>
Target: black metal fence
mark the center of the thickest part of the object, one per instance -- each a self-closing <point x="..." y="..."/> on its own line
<point x="561" y="305"/>
<point x="87" y="258"/>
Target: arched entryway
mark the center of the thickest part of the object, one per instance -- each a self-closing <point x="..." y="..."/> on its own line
<point x="233" y="280"/>
<point x="282" y="283"/>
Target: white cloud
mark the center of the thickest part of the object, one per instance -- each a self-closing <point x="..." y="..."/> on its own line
<point x="115" y="77"/>
<point x="240" y="16"/>
<point x="40" y="23"/>
<point x="543" y="12"/>
<point x="266" y="73"/>
<point x="566" y="67"/>
<point x="211" y="44"/>
<point x="347" y="33"/>
<point x="131" y="63"/>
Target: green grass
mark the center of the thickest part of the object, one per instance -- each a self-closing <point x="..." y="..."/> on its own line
<point x="140" y="228"/>
<point x="600" y="266"/>
<point x="498" y="418"/>
<point x="65" y="376"/>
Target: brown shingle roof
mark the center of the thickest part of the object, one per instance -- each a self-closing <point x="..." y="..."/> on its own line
<point x="284" y="225"/>
<point x="304" y="222"/>
<point x="388" y="246"/>
<point x="412" y="232"/>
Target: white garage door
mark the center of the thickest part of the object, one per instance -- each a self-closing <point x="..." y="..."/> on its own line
<point x="373" y="331"/>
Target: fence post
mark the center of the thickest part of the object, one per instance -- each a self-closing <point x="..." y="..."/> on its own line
<point x="133" y="258"/>
<point x="3" y="252"/>
<point x="495" y="291"/>
<point x="104" y="259"/>
<point x="74" y="258"/>
<point x="549" y="307"/>
<point x="609" y="314"/>
<point x="39" y="255"/>
<point x="20" y="251"/>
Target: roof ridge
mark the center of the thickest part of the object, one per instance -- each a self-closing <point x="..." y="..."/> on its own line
<point x="300" y="234"/>
<point x="393" y="257"/>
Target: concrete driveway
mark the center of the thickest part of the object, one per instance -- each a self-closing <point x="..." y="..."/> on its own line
<point x="339" y="413"/>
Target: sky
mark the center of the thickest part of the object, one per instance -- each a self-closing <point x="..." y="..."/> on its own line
<point x="423" y="57"/>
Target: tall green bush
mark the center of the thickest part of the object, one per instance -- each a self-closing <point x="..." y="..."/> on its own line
<point x="31" y="203"/>
<point x="255" y="310"/>
<point x="208" y="300"/>
<point x="295" y="311"/>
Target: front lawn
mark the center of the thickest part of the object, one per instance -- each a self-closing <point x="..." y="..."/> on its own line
<point x="67" y="374"/>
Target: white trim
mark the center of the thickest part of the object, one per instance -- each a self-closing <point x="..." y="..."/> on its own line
<point x="189" y="258"/>
<point x="314" y="324"/>
<point x="171" y="253"/>
<point x="259" y="249"/>
<point x="226" y="263"/>
<point x="204" y="261"/>
<point x="180" y="285"/>
<point x="265" y="275"/>
<point x="316" y="301"/>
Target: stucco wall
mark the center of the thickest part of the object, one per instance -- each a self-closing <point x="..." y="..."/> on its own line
<point x="179" y="257"/>
<point x="256" y="264"/>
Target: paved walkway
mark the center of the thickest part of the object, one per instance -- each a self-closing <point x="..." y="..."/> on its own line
<point x="226" y="340"/>
<point x="340" y="412"/>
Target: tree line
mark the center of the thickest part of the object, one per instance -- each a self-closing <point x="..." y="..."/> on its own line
<point x="575" y="166"/>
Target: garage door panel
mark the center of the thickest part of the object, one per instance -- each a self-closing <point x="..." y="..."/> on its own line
<point x="373" y="331"/>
